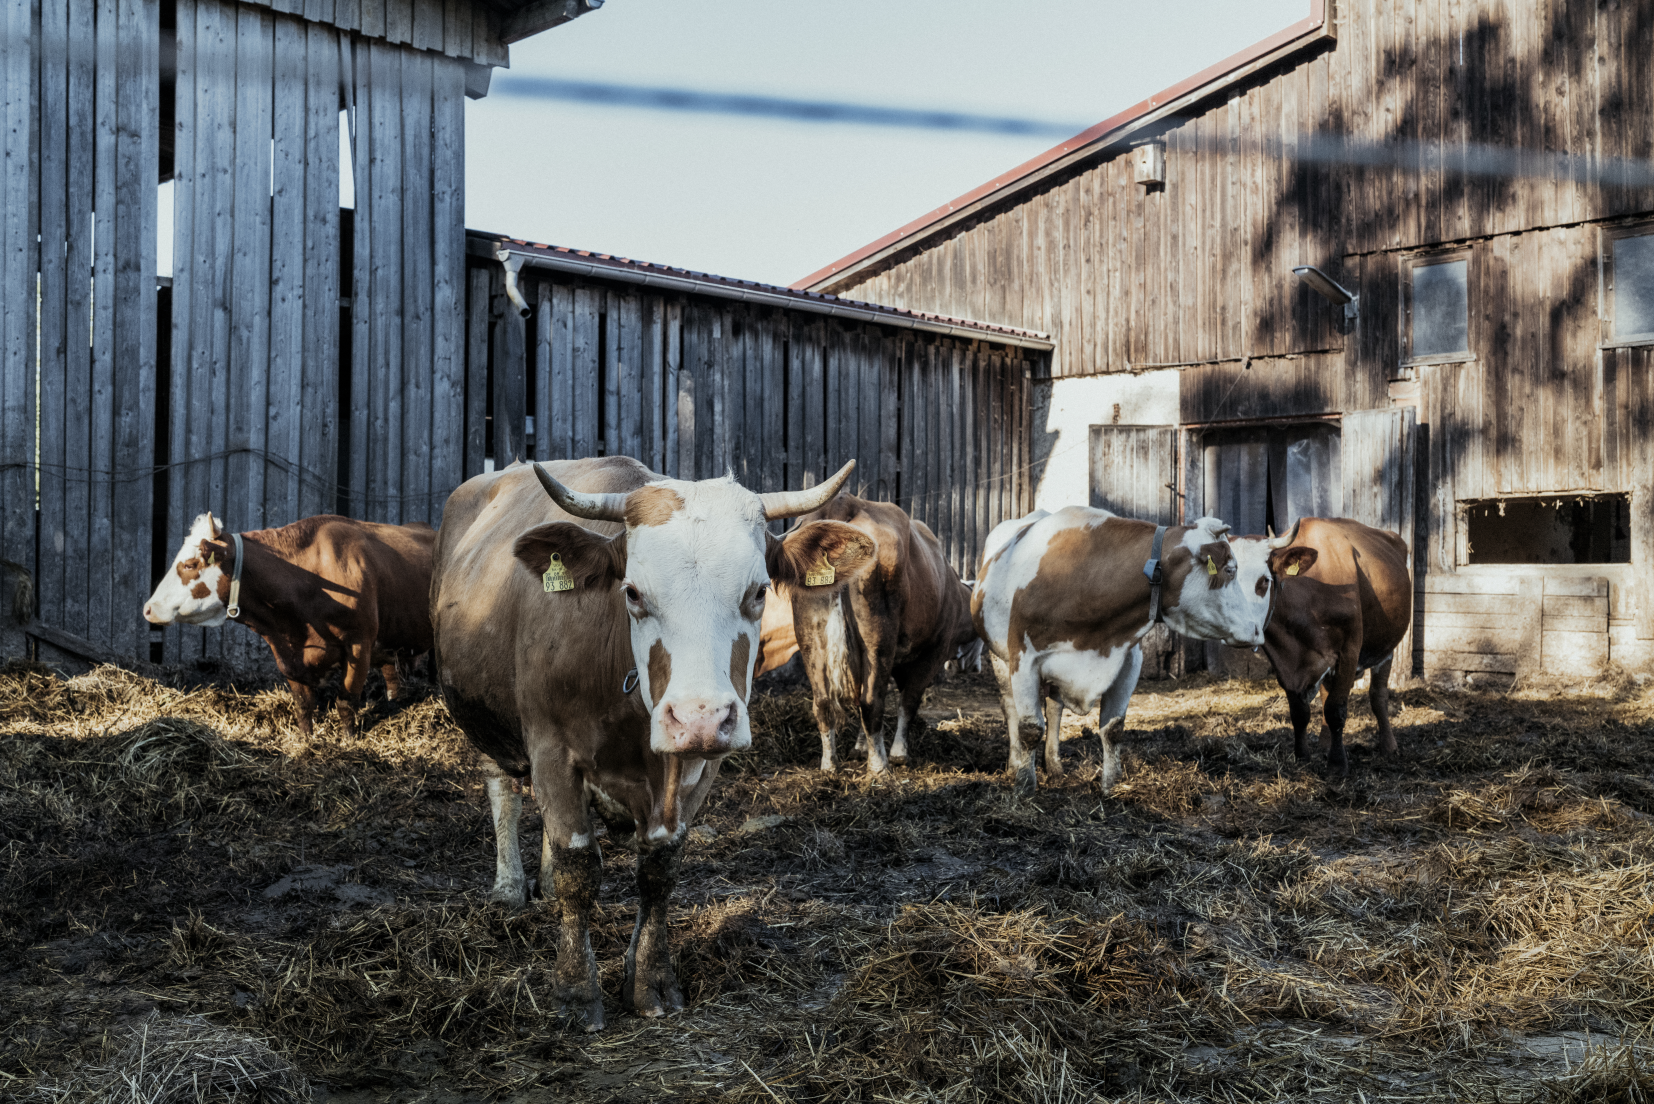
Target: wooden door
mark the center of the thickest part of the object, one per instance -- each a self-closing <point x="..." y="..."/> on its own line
<point x="1134" y="474"/>
<point x="1377" y="476"/>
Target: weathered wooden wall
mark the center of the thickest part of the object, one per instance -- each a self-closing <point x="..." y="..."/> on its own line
<point x="1200" y="270"/>
<point x="454" y="28"/>
<point x="90" y="197"/>
<point x="698" y="387"/>
<point x="269" y="421"/>
<point x="19" y="266"/>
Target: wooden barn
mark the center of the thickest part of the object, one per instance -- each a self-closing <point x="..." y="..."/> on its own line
<point x="1472" y="178"/>
<point x="305" y="357"/>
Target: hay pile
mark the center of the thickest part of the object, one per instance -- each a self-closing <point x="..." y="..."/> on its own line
<point x="184" y="1061"/>
<point x="1476" y="920"/>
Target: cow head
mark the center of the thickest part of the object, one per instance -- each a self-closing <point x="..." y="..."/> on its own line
<point x="189" y="592"/>
<point x="1217" y="588"/>
<point x="1270" y="559"/>
<point x="693" y="565"/>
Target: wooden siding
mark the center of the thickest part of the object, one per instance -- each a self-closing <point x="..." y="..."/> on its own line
<point x="19" y="263"/>
<point x="1125" y="276"/>
<point x="698" y="387"/>
<point x="453" y="28"/>
<point x="92" y="189"/>
<point x="1516" y="624"/>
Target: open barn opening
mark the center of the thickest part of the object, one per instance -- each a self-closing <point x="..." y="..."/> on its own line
<point x="1550" y="529"/>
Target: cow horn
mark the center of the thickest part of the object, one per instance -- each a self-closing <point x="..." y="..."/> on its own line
<point x="1283" y="541"/>
<point x="592" y="507"/>
<point x="786" y="504"/>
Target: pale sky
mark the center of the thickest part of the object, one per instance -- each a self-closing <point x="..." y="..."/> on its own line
<point x="774" y="200"/>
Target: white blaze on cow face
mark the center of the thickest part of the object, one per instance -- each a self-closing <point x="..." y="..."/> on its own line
<point x="694" y="589"/>
<point x="1233" y="610"/>
<point x="188" y="592"/>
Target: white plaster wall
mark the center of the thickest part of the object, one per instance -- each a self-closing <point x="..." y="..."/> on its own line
<point x="1066" y="409"/>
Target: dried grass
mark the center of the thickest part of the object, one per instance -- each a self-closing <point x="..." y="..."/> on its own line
<point x="1224" y="926"/>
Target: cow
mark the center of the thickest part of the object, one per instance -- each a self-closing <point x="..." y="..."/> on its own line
<point x="596" y="627"/>
<point x="1064" y="599"/>
<point x="324" y="592"/>
<point x="902" y="620"/>
<point x="1343" y="602"/>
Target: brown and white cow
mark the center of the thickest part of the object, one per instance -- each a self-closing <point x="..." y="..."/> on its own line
<point x="902" y="620"/>
<point x="324" y="592"/>
<point x="626" y="689"/>
<point x="1063" y="603"/>
<point x="1343" y="602"/>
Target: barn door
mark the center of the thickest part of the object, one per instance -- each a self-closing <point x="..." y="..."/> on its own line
<point x="1134" y="474"/>
<point x="1134" y="471"/>
<point x="1378" y="484"/>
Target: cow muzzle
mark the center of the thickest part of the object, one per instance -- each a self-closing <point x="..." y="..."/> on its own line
<point x="701" y="726"/>
<point x="154" y="616"/>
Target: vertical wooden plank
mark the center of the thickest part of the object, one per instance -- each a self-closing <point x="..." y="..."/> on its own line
<point x="383" y="494"/>
<point x="652" y="431"/>
<point x="132" y="395"/>
<point x="476" y="370"/>
<point x="290" y="266"/>
<point x="447" y="272"/>
<point x="540" y="359"/>
<point x="807" y="351"/>
<point x="889" y="383"/>
<point x="563" y="366"/>
<point x="610" y="373"/>
<point x="54" y="577"/>
<point x="180" y="645"/>
<point x="211" y="395"/>
<point x="773" y="373"/>
<point x="398" y="20"/>
<point x="18" y="267"/>
<point x="584" y="373"/>
<point x="629" y="358"/>
<point x="946" y="405"/>
<point x="869" y="345"/>
<point x="510" y="388"/>
<point x="426" y="32"/>
<point x="673" y="354"/>
<point x="418" y="289"/>
<point x="318" y="427"/>
<point x="363" y="397"/>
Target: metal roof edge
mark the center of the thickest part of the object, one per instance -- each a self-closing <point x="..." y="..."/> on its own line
<point x="652" y="276"/>
<point x="1317" y="27"/>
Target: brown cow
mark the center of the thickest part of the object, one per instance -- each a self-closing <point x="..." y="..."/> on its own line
<point x="1343" y="601"/>
<point x="323" y="592"/>
<point x="904" y="619"/>
<point x="608" y="660"/>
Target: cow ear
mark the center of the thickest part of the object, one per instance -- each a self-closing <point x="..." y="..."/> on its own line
<point x="592" y="560"/>
<point x="1292" y="561"/>
<point x="798" y="557"/>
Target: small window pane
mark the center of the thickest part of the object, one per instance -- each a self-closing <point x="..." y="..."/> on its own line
<point x="1634" y="286"/>
<point x="1441" y="306"/>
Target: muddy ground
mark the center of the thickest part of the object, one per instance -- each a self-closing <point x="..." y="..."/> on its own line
<point x="1472" y="921"/>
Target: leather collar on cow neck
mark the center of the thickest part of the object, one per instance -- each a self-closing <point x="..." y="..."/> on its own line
<point x="234" y="608"/>
<point x="1157" y="576"/>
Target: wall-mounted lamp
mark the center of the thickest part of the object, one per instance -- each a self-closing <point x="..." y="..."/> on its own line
<point x="1330" y="290"/>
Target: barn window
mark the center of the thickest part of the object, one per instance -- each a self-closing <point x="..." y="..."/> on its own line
<point x="1436" y="299"/>
<point x="1550" y="529"/>
<point x="1628" y="284"/>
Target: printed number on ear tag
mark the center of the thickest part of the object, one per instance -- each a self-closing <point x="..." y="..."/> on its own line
<point x="820" y="575"/>
<point x="1292" y="569"/>
<point x="1211" y="566"/>
<point x="557" y="576"/>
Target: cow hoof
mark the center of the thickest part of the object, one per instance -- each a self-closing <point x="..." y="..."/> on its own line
<point x="1025" y="783"/>
<point x="587" y="1013"/>
<point x="829" y="765"/>
<point x="511" y="896"/>
<point x="660" y="997"/>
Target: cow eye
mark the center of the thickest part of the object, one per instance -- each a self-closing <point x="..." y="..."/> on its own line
<point x="632" y="595"/>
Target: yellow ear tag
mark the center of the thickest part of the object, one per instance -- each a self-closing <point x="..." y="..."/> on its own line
<point x="557" y="576"/>
<point x="822" y="574"/>
<point x="1292" y="569"/>
<point x="1211" y="567"/>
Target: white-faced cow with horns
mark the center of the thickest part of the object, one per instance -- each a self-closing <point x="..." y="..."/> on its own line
<point x="596" y="626"/>
<point x="1064" y="600"/>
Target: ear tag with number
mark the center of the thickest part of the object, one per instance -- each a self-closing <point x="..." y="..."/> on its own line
<point x="557" y="576"/>
<point x="820" y="575"/>
<point x="1292" y="569"/>
<point x="1211" y="566"/>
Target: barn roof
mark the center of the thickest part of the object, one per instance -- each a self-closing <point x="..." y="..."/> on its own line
<point x="579" y="262"/>
<point x="1089" y="144"/>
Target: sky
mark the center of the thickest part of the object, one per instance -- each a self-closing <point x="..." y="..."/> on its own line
<point x="774" y="200"/>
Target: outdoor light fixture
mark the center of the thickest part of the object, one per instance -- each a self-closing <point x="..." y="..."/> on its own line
<point x="1330" y="290"/>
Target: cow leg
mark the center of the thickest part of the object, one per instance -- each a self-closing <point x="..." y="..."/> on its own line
<point x="651" y="987"/>
<point x="506" y="805"/>
<point x="1021" y="764"/>
<point x="571" y="866"/>
<point x="1337" y="713"/>
<point x="393" y="679"/>
<point x="1378" y="695"/>
<point x="305" y="696"/>
<point x="1111" y="715"/>
<point x="356" y="680"/>
<point x="1053" y="734"/>
<point x="912" y="680"/>
<point x="1300" y="703"/>
<point x="829" y="735"/>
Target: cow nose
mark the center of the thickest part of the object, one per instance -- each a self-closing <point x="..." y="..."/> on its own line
<point x="149" y="613"/>
<point x="699" y="726"/>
